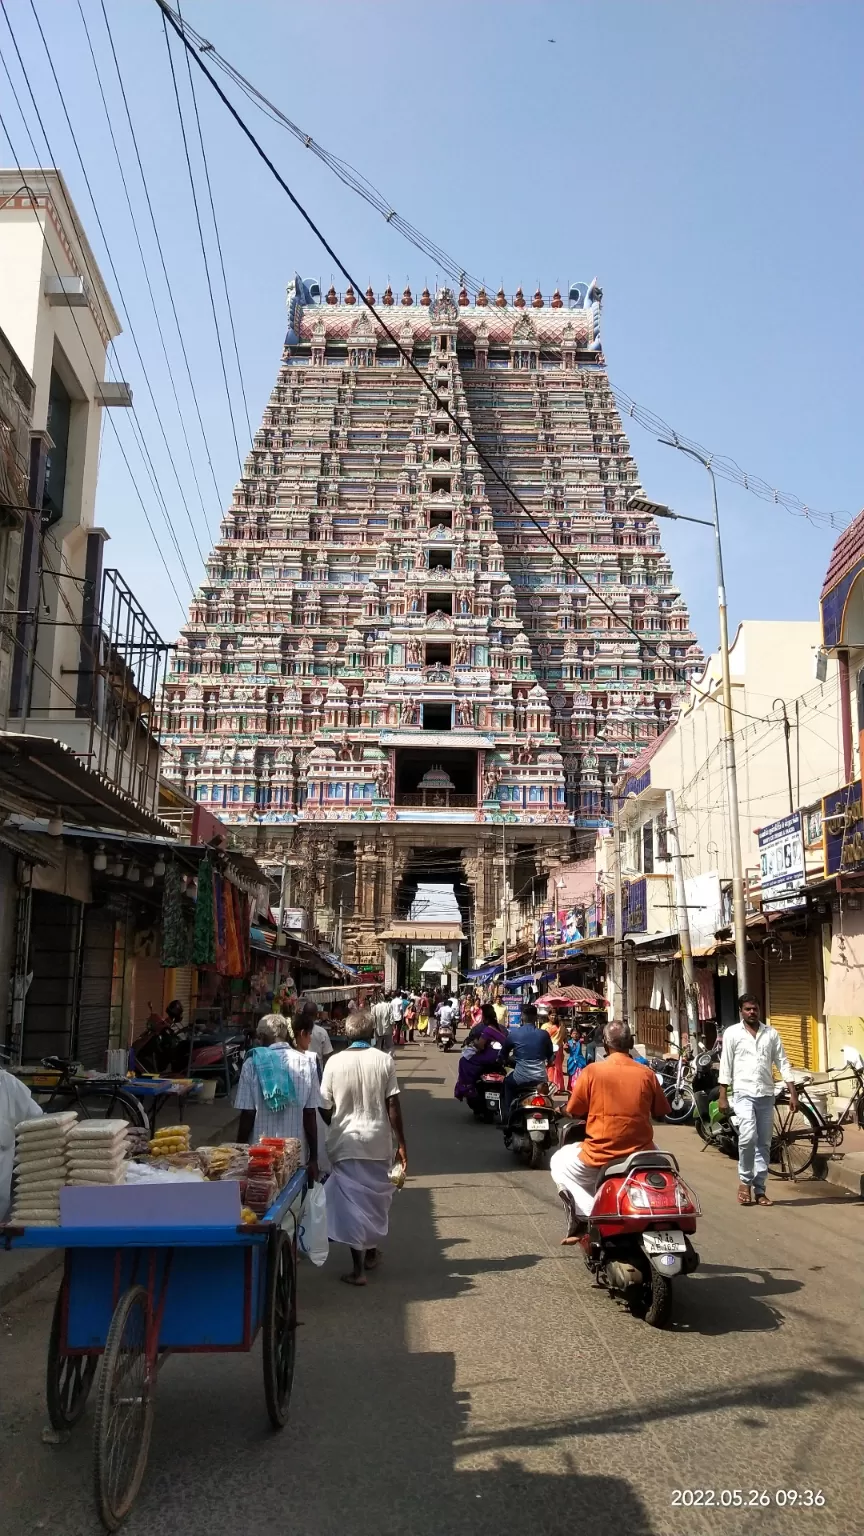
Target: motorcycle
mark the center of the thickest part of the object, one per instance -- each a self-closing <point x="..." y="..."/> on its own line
<point x="532" y="1125"/>
<point x="672" y="1076"/>
<point x="485" y="1099"/>
<point x="714" y="1129"/>
<point x="446" y="1037"/>
<point x="639" y="1233"/>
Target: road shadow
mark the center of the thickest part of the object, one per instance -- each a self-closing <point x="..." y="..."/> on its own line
<point x="721" y="1299"/>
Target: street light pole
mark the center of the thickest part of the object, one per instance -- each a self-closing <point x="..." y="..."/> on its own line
<point x="739" y="910"/>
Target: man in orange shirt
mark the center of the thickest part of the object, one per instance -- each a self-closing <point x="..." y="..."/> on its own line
<point x="617" y="1098"/>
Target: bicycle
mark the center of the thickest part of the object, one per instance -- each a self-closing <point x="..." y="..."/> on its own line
<point x="797" y="1134"/>
<point x="91" y="1098"/>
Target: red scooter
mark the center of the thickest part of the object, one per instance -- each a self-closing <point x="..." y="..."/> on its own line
<point x="639" y="1231"/>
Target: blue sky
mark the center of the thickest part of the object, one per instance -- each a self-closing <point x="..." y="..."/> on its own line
<point x="701" y="160"/>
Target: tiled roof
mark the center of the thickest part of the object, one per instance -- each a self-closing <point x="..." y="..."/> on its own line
<point x="640" y="763"/>
<point x="846" y="552"/>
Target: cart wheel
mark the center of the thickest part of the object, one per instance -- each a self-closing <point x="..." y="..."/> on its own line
<point x="69" y="1377"/>
<point x="124" y="1411"/>
<point x="280" y="1327"/>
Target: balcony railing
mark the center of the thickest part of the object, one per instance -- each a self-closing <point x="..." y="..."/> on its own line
<point x="437" y="799"/>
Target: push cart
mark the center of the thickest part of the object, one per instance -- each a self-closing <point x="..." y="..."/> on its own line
<point x="133" y="1295"/>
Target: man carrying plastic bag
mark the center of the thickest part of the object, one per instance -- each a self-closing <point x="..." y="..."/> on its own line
<point x="360" y="1105"/>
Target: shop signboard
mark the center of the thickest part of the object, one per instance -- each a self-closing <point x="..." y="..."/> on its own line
<point x="704" y="907"/>
<point x="293" y="919"/>
<point x="781" y="858"/>
<point x="843" y="829"/>
<point x="514" y="1010"/>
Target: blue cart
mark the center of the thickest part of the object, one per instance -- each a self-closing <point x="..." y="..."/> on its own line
<point x="134" y="1295"/>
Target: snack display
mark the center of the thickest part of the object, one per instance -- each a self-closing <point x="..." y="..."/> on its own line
<point x="40" y="1169"/>
<point x="170" y="1139"/>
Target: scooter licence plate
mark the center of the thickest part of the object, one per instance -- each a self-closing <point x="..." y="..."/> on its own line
<point x="664" y="1242"/>
<point x="536" y="1122"/>
<point x="492" y="1098"/>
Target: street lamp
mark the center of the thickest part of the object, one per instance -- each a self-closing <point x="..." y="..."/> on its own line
<point x="658" y="509"/>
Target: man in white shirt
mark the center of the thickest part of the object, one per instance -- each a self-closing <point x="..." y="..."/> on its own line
<point x="360" y="1106"/>
<point x="381" y="1014"/>
<point x="443" y="1015"/>
<point x="751" y="1050"/>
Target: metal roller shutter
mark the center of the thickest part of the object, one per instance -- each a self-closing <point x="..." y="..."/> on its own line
<point x="792" y="1003"/>
<point x="94" y="999"/>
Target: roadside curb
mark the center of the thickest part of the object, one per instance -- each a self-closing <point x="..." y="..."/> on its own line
<point x="846" y="1173"/>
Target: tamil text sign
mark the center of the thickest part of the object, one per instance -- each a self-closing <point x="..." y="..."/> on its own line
<point x="843" y="829"/>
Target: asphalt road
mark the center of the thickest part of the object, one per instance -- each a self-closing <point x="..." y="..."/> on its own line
<point x="480" y="1383"/>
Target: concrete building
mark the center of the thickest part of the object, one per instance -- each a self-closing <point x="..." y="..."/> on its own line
<point x="780" y="772"/>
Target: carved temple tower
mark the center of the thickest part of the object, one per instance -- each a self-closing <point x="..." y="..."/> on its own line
<point x="387" y="662"/>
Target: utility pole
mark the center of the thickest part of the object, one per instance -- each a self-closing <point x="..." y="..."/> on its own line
<point x="618" y="932"/>
<point x="504" y="901"/>
<point x="283" y="902"/>
<point x="657" y="509"/>
<point x="683" y="920"/>
<point x="787" y="730"/>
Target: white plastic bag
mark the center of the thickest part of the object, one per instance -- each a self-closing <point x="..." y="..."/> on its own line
<point x="312" y="1227"/>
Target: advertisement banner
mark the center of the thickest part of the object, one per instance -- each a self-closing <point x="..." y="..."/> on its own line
<point x="843" y="829"/>
<point x="781" y="858"/>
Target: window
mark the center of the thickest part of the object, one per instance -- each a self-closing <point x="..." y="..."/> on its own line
<point x="437" y="655"/>
<point x="535" y="794"/>
<point x="648" y="848"/>
<point x="334" y="791"/>
<point x="201" y="792"/>
<point x="440" y="483"/>
<point x="437" y="717"/>
<point x="57" y="425"/>
<point x="440" y="559"/>
<point x="356" y="791"/>
<point x="439" y="602"/>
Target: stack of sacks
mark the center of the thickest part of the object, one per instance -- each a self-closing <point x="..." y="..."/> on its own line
<point x="40" y="1169"/>
<point x="96" y="1152"/>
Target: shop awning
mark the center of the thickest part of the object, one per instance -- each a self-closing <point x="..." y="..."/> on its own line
<point x="43" y="777"/>
<point x="521" y="981"/>
<point x="580" y="998"/>
<point x="484" y="972"/>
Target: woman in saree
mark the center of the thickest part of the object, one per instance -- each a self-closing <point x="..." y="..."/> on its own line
<point x="481" y="1054"/>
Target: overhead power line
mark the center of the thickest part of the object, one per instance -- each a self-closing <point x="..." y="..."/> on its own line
<point x="203" y="249"/>
<point x="94" y="370"/>
<point x="109" y="256"/>
<point x="722" y="465"/>
<point x="145" y="266"/>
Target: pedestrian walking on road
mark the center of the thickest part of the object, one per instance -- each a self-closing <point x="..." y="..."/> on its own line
<point x="751" y="1049"/>
<point x="383" y="1023"/>
<point x="277" y="1094"/>
<point x="360" y="1105"/>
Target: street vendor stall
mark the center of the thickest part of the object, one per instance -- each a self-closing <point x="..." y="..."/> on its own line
<point x="161" y="1260"/>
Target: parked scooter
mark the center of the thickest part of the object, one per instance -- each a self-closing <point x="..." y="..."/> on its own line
<point x="715" y="1129"/>
<point x="532" y="1125"/>
<point x="639" y="1233"/>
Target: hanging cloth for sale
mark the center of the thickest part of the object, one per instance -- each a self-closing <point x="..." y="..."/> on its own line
<point x="204" y="943"/>
<point x="707" y="1007"/>
<point x="233" y="959"/>
<point x="661" y="995"/>
<point x="221" y="926"/>
<point x="176" y="929"/>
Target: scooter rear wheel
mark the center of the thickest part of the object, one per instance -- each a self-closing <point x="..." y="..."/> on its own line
<point x="654" y="1302"/>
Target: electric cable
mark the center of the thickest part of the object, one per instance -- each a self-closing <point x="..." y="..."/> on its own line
<point x="218" y="240"/>
<point x="87" y="353"/>
<point x="159" y="248"/>
<point x="722" y="465"/>
<point x="108" y="252"/>
<point x="145" y="267"/>
<point x="203" y="247"/>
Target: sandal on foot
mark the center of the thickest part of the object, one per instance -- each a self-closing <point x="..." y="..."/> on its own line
<point x="745" y="1194"/>
<point x="353" y="1279"/>
<point x="762" y="1199"/>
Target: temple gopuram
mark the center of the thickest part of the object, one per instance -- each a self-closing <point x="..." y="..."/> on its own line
<point x="390" y="676"/>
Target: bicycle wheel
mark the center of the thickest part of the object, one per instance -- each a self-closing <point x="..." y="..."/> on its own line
<point x="124" y="1411"/>
<point x="794" y="1141"/>
<point x="95" y="1103"/>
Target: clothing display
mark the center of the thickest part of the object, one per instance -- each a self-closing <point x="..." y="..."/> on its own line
<point x="706" y="1005"/>
<point x="661" y="995"/>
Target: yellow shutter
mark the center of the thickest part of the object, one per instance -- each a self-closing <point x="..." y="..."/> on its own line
<point x="792" y="992"/>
